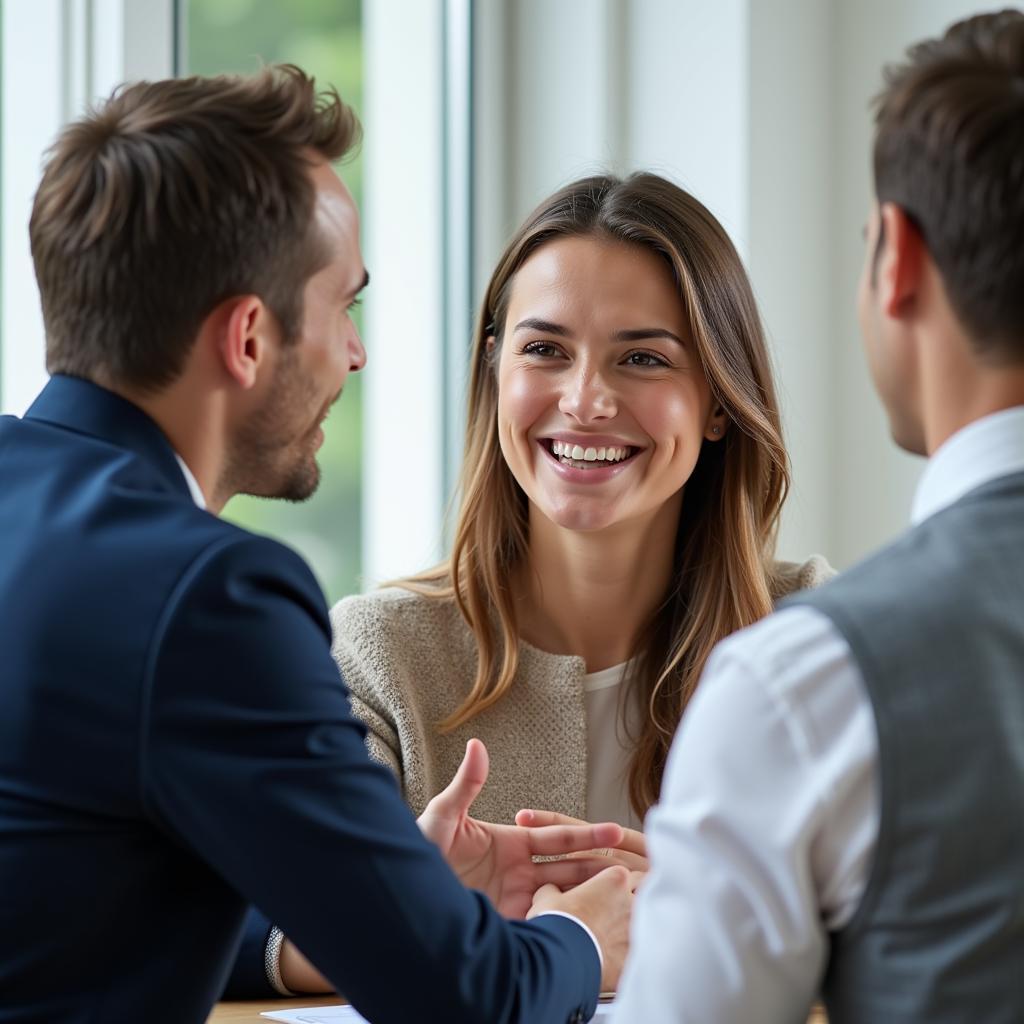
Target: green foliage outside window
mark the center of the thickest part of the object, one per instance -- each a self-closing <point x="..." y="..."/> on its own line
<point x="324" y="38"/>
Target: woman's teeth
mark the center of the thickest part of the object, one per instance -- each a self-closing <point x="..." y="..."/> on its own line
<point x="571" y="454"/>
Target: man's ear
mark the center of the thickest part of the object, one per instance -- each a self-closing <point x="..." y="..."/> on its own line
<point x="245" y="338"/>
<point x="900" y="262"/>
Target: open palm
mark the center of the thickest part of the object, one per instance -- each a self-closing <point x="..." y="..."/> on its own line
<point x="499" y="859"/>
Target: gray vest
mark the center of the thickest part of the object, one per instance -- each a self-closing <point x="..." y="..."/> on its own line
<point x="936" y="625"/>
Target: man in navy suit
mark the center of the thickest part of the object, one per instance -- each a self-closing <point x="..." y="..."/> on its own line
<point x="175" y="742"/>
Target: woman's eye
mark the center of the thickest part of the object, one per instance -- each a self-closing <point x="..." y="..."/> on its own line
<point x="540" y="348"/>
<point x="644" y="359"/>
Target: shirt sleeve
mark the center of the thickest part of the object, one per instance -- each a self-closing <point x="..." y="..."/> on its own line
<point x="764" y="834"/>
<point x="253" y="761"/>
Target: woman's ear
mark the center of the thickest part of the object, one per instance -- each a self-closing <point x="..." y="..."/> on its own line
<point x="492" y="348"/>
<point x="717" y="425"/>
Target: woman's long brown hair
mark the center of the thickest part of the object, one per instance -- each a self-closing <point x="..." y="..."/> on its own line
<point x="723" y="559"/>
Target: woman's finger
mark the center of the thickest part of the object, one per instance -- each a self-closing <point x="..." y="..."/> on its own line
<point x="573" y="870"/>
<point x="613" y="855"/>
<point x="556" y="840"/>
<point x="632" y="840"/>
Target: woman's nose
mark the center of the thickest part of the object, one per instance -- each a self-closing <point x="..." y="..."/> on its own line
<point x="587" y="396"/>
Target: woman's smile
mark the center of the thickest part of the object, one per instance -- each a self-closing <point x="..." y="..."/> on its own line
<point x="591" y="463"/>
<point x="602" y="402"/>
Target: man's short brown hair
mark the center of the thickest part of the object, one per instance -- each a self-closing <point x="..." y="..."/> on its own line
<point x="170" y="198"/>
<point x="949" y="150"/>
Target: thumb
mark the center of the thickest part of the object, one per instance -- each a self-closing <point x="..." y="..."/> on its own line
<point x="457" y="797"/>
<point x="544" y="899"/>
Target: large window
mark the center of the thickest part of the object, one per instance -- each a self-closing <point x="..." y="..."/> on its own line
<point x="405" y="63"/>
<point x="324" y="38"/>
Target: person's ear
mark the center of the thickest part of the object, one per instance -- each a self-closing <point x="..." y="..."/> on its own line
<point x="717" y="424"/>
<point x="900" y="261"/>
<point x="490" y="352"/>
<point x="245" y="340"/>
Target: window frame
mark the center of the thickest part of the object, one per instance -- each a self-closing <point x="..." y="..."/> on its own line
<point x="66" y="54"/>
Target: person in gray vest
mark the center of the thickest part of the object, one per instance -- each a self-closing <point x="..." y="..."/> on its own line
<point x="843" y="807"/>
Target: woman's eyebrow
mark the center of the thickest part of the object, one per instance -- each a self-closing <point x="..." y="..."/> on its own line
<point x="532" y="323"/>
<point x="642" y="333"/>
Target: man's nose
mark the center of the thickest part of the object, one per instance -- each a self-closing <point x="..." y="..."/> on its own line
<point x="357" y="352"/>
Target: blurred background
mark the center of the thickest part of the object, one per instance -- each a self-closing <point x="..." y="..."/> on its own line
<point x="473" y="111"/>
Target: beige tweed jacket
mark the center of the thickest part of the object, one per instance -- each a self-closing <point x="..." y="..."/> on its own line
<point x="409" y="662"/>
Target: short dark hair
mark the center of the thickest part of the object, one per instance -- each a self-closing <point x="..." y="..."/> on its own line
<point x="949" y="150"/>
<point x="166" y="200"/>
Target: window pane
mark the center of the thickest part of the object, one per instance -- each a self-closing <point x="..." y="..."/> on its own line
<point x="324" y="38"/>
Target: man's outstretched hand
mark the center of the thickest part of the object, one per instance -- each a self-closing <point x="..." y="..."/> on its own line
<point x="498" y="859"/>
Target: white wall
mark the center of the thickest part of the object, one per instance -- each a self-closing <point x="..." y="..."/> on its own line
<point x="687" y="115"/>
<point x="873" y="482"/>
<point x="760" y="108"/>
<point x="789" y="177"/>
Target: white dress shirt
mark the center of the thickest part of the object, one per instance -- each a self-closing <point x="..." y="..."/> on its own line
<point x="769" y="816"/>
<point x="193" y="484"/>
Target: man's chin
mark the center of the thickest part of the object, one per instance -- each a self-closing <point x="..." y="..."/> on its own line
<point x="298" y="487"/>
<point x="301" y="487"/>
<point x="908" y="435"/>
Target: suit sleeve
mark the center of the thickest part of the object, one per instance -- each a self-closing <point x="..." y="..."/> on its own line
<point x="248" y="978"/>
<point x="252" y="758"/>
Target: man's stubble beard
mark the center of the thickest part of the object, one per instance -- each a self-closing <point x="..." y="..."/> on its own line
<point x="259" y="463"/>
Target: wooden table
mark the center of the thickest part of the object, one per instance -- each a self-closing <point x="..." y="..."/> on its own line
<point x="249" y="1013"/>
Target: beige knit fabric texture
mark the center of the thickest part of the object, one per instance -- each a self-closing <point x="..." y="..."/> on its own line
<point x="409" y="661"/>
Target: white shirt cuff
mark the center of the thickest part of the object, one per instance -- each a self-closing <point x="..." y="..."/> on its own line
<point x="593" y="937"/>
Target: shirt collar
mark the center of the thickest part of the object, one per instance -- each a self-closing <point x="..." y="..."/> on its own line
<point x="193" y="484"/>
<point x="982" y="451"/>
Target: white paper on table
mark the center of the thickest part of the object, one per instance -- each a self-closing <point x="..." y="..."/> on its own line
<point x="332" y="1014"/>
<point x="316" y="1015"/>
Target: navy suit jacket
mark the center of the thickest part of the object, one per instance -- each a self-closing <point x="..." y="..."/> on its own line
<point x="176" y="743"/>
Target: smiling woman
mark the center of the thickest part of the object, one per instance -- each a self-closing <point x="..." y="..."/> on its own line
<point x="623" y="476"/>
<point x="622" y="481"/>
<point x="596" y="370"/>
